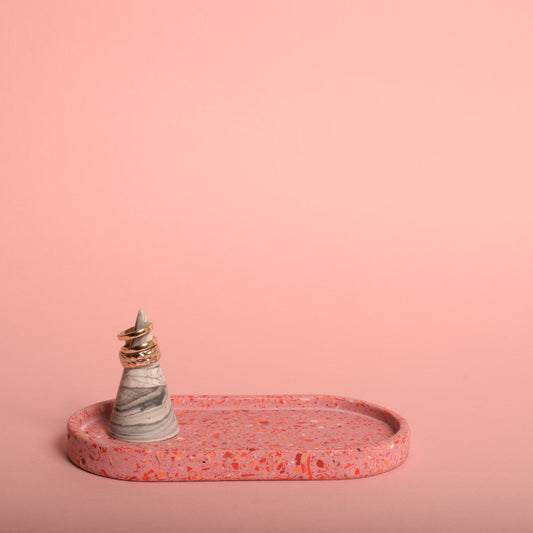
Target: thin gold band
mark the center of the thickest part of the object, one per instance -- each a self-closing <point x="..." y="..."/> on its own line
<point x="131" y="350"/>
<point x="132" y="333"/>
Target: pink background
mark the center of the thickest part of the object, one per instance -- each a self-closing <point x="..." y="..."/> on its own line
<point x="306" y="197"/>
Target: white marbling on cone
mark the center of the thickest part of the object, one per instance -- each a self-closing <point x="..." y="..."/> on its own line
<point x="143" y="411"/>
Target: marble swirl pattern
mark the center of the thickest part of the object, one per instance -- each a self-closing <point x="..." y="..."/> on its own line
<point x="143" y="411"/>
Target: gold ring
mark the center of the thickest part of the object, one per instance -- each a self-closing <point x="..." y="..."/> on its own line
<point x="132" y="333"/>
<point x="137" y="358"/>
<point x="139" y="348"/>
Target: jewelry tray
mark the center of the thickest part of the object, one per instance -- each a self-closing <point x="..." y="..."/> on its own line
<point x="287" y="437"/>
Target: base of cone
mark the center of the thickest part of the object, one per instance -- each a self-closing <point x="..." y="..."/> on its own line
<point x="126" y="434"/>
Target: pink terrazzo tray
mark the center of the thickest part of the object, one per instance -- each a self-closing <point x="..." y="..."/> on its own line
<point x="248" y="437"/>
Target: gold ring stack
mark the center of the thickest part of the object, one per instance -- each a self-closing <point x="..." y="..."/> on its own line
<point x="138" y="356"/>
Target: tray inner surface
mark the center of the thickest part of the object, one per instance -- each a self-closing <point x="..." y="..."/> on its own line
<point x="268" y="428"/>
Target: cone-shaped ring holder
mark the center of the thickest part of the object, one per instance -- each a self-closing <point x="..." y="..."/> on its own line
<point x="142" y="411"/>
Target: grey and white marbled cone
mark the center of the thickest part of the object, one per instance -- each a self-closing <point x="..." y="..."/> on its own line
<point x="143" y="411"/>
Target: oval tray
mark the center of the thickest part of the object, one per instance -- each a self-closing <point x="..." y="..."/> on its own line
<point x="248" y="437"/>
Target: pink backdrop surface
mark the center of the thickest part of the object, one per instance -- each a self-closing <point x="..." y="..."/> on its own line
<point x="307" y="197"/>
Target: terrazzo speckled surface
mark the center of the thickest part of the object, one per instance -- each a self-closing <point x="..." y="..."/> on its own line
<point x="248" y="437"/>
